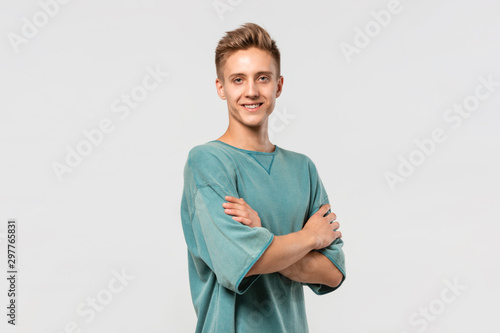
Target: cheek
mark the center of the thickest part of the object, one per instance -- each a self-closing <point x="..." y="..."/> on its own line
<point x="232" y="96"/>
<point x="271" y="93"/>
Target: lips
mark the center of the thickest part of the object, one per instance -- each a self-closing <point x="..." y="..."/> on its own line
<point x="252" y="107"/>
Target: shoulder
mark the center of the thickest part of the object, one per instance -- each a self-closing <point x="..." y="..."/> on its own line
<point x="303" y="161"/>
<point x="207" y="153"/>
<point x="209" y="164"/>
<point x="296" y="156"/>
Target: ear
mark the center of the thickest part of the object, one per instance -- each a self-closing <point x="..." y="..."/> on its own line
<point x="280" y="86"/>
<point x="220" y="88"/>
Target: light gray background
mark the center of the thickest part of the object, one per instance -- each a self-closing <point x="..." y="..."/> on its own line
<point x="120" y="208"/>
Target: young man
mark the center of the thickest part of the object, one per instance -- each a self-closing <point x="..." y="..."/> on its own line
<point x="255" y="216"/>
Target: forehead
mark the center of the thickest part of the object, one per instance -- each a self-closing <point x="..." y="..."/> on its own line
<point x="249" y="62"/>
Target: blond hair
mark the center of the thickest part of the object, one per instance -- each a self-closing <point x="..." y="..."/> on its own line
<point x="247" y="36"/>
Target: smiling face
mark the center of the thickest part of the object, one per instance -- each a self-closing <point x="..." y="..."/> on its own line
<point x="250" y="87"/>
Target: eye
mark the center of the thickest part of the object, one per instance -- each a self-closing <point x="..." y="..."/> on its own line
<point x="265" y="78"/>
<point x="235" y="80"/>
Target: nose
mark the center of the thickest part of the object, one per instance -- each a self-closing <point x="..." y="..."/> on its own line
<point x="251" y="89"/>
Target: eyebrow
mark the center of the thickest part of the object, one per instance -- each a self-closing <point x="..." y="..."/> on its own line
<point x="258" y="73"/>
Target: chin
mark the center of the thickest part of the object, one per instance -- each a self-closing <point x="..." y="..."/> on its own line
<point x="252" y="121"/>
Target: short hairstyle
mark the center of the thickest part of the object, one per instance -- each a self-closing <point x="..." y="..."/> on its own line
<point x="247" y="36"/>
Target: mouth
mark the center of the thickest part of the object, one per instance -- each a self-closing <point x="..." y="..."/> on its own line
<point x="252" y="107"/>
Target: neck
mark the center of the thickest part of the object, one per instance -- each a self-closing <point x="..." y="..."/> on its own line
<point x="249" y="138"/>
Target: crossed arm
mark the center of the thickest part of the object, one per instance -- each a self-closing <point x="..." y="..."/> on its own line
<point x="293" y="255"/>
<point x="314" y="267"/>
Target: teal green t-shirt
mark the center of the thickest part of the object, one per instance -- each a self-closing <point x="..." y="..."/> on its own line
<point x="284" y="188"/>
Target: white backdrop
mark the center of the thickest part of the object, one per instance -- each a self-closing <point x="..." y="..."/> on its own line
<point x="396" y="102"/>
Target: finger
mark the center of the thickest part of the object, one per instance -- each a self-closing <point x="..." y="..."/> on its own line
<point x="238" y="202"/>
<point x="231" y="211"/>
<point x="239" y="207"/>
<point x="243" y="203"/>
<point x="234" y="199"/>
<point x="236" y="212"/>
<point x="332" y="217"/>
<point x="335" y="225"/>
<point x="230" y="198"/>
<point x="230" y="205"/>
<point x="323" y="209"/>
<point x="338" y="234"/>
<point x="242" y="220"/>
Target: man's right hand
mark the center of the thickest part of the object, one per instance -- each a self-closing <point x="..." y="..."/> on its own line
<point x="322" y="227"/>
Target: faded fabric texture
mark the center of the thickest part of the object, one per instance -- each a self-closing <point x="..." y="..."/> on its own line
<point x="285" y="189"/>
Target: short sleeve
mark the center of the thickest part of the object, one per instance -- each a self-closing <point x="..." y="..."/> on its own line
<point x="334" y="251"/>
<point x="228" y="247"/>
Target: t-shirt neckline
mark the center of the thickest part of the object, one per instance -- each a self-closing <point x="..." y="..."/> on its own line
<point x="250" y="151"/>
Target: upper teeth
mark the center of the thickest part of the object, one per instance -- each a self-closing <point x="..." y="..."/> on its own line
<point x="252" y="106"/>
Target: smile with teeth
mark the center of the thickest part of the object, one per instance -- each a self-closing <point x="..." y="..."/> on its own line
<point x="252" y="106"/>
